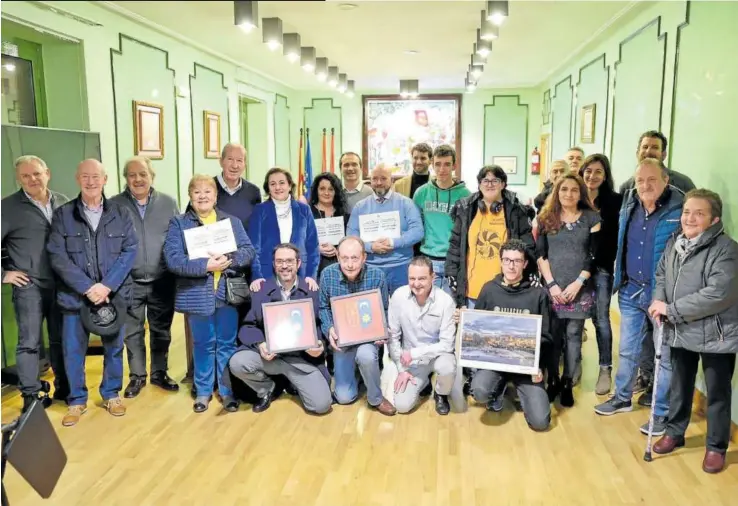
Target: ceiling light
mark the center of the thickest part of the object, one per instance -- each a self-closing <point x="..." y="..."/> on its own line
<point x="291" y="42"/>
<point x="478" y="59"/>
<point x="497" y="11"/>
<point x="412" y="88"/>
<point x="350" y="89"/>
<point x="489" y="31"/>
<point x="411" y="51"/>
<point x="321" y="69"/>
<point x="470" y="85"/>
<point x="246" y="15"/>
<point x="342" y="83"/>
<point x="403" y="88"/>
<point x="476" y="71"/>
<point x="10" y="67"/>
<point x="484" y="47"/>
<point x="272" y="33"/>
<point x="332" y="77"/>
<point x="347" y="7"/>
<point x="307" y="59"/>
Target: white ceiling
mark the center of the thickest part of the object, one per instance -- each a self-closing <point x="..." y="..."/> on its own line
<point x="369" y="42"/>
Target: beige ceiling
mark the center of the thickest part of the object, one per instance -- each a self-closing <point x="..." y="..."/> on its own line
<point x="368" y="43"/>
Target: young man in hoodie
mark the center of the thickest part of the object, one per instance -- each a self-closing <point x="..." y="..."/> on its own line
<point x="510" y="292"/>
<point x="435" y="200"/>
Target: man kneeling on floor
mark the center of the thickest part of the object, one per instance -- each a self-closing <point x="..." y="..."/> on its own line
<point x="510" y="293"/>
<point x="255" y="366"/>
<point x="421" y="338"/>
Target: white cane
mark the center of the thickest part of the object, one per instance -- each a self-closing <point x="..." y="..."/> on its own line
<point x="657" y="363"/>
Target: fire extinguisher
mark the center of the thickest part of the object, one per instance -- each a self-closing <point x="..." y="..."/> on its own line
<point x="535" y="161"/>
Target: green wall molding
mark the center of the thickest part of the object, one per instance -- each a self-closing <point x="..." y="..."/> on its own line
<point x="173" y="88"/>
<point x="685" y="23"/>
<point x="197" y="122"/>
<point x="552" y="146"/>
<point x="515" y="180"/>
<point x="278" y="98"/>
<point x="318" y="134"/>
<point x="576" y="116"/>
<point x="546" y="109"/>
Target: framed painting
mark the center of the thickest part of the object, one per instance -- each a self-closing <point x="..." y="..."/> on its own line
<point x="211" y="130"/>
<point x="393" y="125"/>
<point x="359" y="318"/>
<point x="290" y="326"/>
<point x="148" y="130"/>
<point x="498" y="341"/>
<point x="587" y="130"/>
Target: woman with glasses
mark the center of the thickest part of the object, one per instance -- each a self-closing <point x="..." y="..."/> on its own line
<point x="597" y="176"/>
<point x="567" y="236"/>
<point x="327" y="200"/>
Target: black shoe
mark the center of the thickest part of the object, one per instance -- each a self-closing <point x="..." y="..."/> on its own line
<point x="442" y="405"/>
<point x="290" y="389"/>
<point x="230" y="404"/>
<point x="134" y="387"/>
<point x="467" y="386"/>
<point x="45" y="387"/>
<point x="263" y="403"/>
<point x="553" y="389"/>
<point x="162" y="380"/>
<point x="567" y="396"/>
<point x="29" y="399"/>
<point x="61" y="394"/>
<point x="201" y="404"/>
<point x="427" y="390"/>
<point x="646" y="397"/>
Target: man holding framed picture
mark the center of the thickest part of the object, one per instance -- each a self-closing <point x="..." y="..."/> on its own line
<point x="263" y="335"/>
<point x="509" y="292"/>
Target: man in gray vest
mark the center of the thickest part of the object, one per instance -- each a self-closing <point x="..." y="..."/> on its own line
<point x="26" y="223"/>
<point x="153" y="285"/>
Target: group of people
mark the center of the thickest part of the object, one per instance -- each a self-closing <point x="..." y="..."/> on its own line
<point x="108" y="265"/>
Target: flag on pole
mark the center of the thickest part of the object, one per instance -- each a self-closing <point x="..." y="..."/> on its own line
<point x="308" y="167"/>
<point x="323" y="168"/>
<point x="333" y="151"/>
<point x="300" y="171"/>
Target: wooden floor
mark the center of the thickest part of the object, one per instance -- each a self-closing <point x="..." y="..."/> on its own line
<point x="162" y="453"/>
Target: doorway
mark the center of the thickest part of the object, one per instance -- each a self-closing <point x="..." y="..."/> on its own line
<point x="254" y="130"/>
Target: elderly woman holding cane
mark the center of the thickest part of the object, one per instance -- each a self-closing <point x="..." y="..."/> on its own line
<point x="697" y="296"/>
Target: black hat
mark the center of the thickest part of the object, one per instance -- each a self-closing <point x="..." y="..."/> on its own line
<point x="103" y="319"/>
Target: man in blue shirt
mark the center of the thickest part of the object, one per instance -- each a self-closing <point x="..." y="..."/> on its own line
<point x="648" y="218"/>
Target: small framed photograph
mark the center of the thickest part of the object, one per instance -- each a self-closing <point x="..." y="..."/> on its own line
<point x="359" y="318"/>
<point x="508" y="163"/>
<point x="211" y="130"/>
<point x="290" y="326"/>
<point x="502" y="342"/>
<point x="148" y="130"/>
<point x="589" y="115"/>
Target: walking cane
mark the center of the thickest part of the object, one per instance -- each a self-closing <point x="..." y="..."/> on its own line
<point x="657" y="363"/>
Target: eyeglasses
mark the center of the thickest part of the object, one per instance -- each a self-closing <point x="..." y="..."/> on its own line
<point x="510" y="261"/>
<point x="491" y="182"/>
<point x="289" y="261"/>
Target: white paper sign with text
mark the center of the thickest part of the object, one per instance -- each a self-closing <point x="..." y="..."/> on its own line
<point x="378" y="225"/>
<point x="214" y="238"/>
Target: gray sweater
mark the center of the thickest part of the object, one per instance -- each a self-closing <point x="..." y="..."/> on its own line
<point x="353" y="198"/>
<point x="25" y="231"/>
<point x="151" y="231"/>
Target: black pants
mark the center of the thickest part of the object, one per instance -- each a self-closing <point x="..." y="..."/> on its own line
<point x="567" y="338"/>
<point x="153" y="302"/>
<point x="718" y="369"/>
<point x="648" y="355"/>
<point x="33" y="305"/>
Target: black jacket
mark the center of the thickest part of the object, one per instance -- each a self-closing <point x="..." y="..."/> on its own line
<point x="462" y="214"/>
<point x="522" y="298"/>
<point x="609" y="205"/>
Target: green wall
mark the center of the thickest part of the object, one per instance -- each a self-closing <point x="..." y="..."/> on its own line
<point x="283" y="152"/>
<point x="323" y="114"/>
<point x="592" y="89"/>
<point x="207" y="93"/>
<point x="254" y="117"/>
<point x="561" y="118"/>
<point x="66" y="93"/>
<point x="506" y="134"/>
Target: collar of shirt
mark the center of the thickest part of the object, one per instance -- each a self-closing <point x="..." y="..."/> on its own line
<point x="386" y="197"/>
<point x="225" y="186"/>
<point x="663" y="199"/>
<point x="428" y="301"/>
<point x="358" y="279"/>
<point x="358" y="188"/>
<point x="135" y="199"/>
<point x="96" y="210"/>
<point x="47" y="209"/>
<point x="287" y="293"/>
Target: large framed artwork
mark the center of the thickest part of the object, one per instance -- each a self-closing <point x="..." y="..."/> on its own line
<point x="289" y="326"/>
<point x="148" y="130"/>
<point x="498" y="341"/>
<point x="211" y="128"/>
<point x="393" y="125"/>
<point x="359" y="317"/>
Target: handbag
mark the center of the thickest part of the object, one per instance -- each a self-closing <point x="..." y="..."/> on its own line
<point x="237" y="290"/>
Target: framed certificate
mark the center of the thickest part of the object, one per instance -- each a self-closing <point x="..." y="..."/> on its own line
<point x="290" y="325"/>
<point x="359" y="318"/>
<point x="378" y="225"/>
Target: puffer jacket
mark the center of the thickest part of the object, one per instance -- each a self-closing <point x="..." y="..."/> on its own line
<point x="701" y="294"/>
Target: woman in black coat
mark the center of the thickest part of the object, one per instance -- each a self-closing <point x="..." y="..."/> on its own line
<point x="328" y="200"/>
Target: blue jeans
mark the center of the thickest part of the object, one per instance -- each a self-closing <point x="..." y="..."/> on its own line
<point x="74" y="343"/>
<point x="601" y="316"/>
<point x="396" y="276"/>
<point x="344" y="373"/>
<point x="441" y="281"/>
<point x="634" y="320"/>
<point x="213" y="345"/>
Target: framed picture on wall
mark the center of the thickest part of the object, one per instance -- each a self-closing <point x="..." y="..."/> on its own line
<point x="211" y="130"/>
<point x="393" y="125"/>
<point x="148" y="130"/>
<point x="587" y="129"/>
<point x="508" y="163"/>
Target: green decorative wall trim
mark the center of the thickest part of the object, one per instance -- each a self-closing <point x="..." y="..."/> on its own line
<point x="315" y="134"/>
<point x="566" y="80"/>
<point x="119" y="52"/>
<point x="546" y="109"/>
<point x="196" y="119"/>
<point x="687" y="12"/>
<point x="521" y="153"/>
<point x="605" y="67"/>
<point x="277" y="100"/>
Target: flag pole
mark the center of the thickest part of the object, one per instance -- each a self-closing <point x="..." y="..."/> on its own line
<point x="300" y="175"/>
<point x="323" y="167"/>
<point x="333" y="150"/>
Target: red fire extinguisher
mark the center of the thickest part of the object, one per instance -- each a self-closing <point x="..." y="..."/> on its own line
<point x="535" y="161"/>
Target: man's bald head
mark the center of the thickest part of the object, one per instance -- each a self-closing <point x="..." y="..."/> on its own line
<point x="91" y="178"/>
<point x="91" y="165"/>
<point x="381" y="180"/>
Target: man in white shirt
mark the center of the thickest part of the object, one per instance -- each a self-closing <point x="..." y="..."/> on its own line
<point x="422" y="335"/>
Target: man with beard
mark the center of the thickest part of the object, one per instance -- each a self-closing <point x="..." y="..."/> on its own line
<point x="392" y="255"/>
<point x="353" y="184"/>
<point x="422" y="154"/>
<point x="256" y="366"/>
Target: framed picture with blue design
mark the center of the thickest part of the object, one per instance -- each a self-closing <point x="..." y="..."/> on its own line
<point x="289" y="326"/>
<point x="359" y="318"/>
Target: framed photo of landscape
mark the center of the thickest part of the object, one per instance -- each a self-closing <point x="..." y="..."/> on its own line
<point x="290" y="325"/>
<point x="504" y="342"/>
<point x="359" y="318"/>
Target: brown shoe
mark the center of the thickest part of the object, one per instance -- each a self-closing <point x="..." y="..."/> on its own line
<point x="714" y="462"/>
<point x="385" y="407"/>
<point x="667" y="444"/>
<point x="73" y="415"/>
<point x="115" y="406"/>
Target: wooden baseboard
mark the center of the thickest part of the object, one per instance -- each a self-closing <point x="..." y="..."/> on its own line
<point x="699" y="406"/>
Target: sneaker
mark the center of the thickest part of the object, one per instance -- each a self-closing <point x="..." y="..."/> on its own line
<point x="74" y="413"/>
<point x="659" y="426"/>
<point x="641" y="383"/>
<point x="646" y="397"/>
<point x="604" y="381"/>
<point x="497" y="402"/>
<point x="115" y="406"/>
<point x="612" y="406"/>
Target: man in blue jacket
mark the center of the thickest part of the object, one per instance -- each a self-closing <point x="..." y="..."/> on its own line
<point x="92" y="249"/>
<point x="649" y="217"/>
<point x="256" y="366"/>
